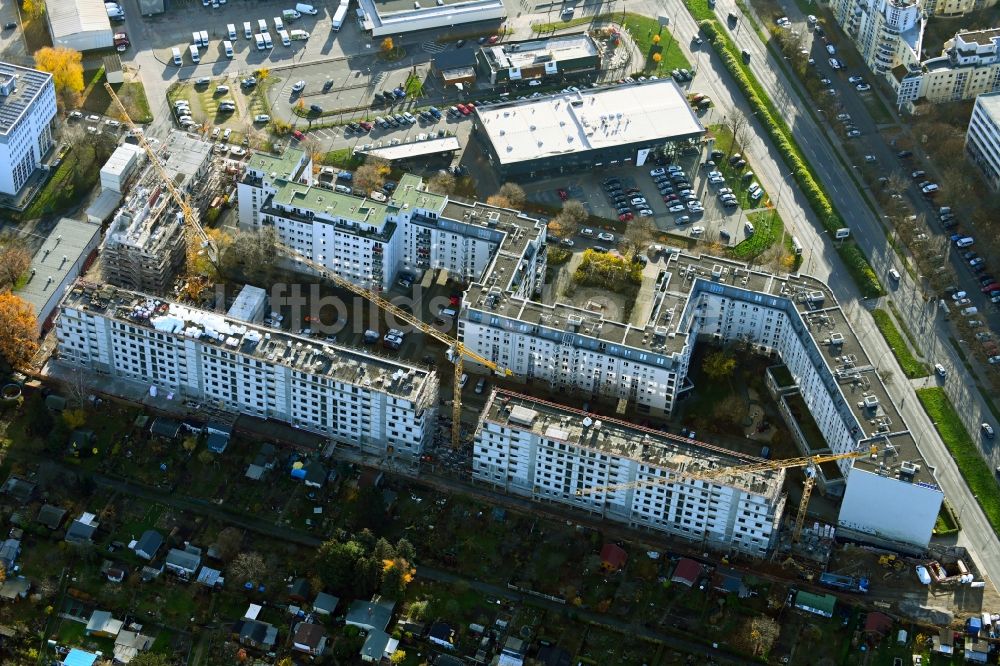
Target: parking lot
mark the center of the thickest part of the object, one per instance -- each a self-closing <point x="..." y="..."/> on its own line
<point x="685" y="196"/>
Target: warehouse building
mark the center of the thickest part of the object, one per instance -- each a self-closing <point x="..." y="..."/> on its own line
<point x="551" y="453"/>
<point x="66" y="253"/>
<point x="562" y="56"/>
<point x="81" y="25"/>
<point x="587" y="129"/>
<point x="355" y="398"/>
<point x="381" y="18"/>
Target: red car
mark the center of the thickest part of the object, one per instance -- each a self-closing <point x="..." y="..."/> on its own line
<point x="463" y="109"/>
<point x="493" y="40"/>
<point x="366" y="126"/>
<point x="299" y="136"/>
<point x="563" y="194"/>
<point x="625" y="217"/>
<point x="990" y="287"/>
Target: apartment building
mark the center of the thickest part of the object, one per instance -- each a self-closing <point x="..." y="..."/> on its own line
<point x="887" y="33"/>
<point x="551" y="453"/>
<point x="144" y="247"/>
<point x="952" y="8"/>
<point x="577" y="352"/>
<point x="982" y="140"/>
<point x="369" y="242"/>
<point x="351" y="397"/>
<point x="27" y="111"/>
<point x="969" y="65"/>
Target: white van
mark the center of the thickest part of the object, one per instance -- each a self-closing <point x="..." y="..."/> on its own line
<point x="285" y="39"/>
<point x="279" y="25"/>
<point x="204" y="38"/>
<point x="447" y="312"/>
<point x="303" y="8"/>
<point x="268" y="44"/>
<point x="176" y="52"/>
<point x="196" y="38"/>
<point x="965" y="242"/>
<point x="260" y="41"/>
<point x="261" y="26"/>
<point x="232" y="30"/>
<point x="194" y="53"/>
<point x="228" y="46"/>
<point x="290" y="14"/>
<point x="247" y="30"/>
<point x="831" y="49"/>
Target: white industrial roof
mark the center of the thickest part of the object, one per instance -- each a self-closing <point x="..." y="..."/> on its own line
<point x="414" y="149"/>
<point x="558" y="48"/>
<point x="121" y="158"/>
<point x="71" y="17"/>
<point x="67" y="241"/>
<point x="588" y="120"/>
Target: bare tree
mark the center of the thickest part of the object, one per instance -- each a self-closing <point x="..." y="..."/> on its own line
<point x="14" y="262"/>
<point x="510" y="195"/>
<point x="638" y="235"/>
<point x="565" y="224"/>
<point x="372" y="175"/>
<point x="247" y="567"/>
<point x="442" y="183"/>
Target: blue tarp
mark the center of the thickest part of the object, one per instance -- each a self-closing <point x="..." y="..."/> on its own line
<point x="79" y="658"/>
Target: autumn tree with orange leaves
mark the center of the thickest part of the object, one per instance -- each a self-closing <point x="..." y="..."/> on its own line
<point x="18" y="330"/>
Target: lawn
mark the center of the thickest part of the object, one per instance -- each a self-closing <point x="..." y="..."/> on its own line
<point x="572" y="23"/>
<point x="342" y="158"/>
<point x="724" y="142"/>
<point x="767" y="230"/>
<point x="645" y="31"/>
<point x="131" y="93"/>
<point x="70" y="182"/>
<point x="975" y="471"/>
<point x="912" y="368"/>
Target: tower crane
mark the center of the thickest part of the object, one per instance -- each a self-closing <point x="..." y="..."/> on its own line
<point x="459" y="352"/>
<point x="809" y="462"/>
<point x="196" y="239"/>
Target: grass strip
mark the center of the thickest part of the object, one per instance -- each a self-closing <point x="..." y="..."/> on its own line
<point x="947" y="522"/>
<point x="912" y="368"/>
<point x="904" y="328"/>
<point x="767" y="231"/>
<point x="780" y="134"/>
<point x="977" y="474"/>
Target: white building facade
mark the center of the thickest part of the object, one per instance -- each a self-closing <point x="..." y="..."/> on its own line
<point x="27" y="109"/>
<point x="350" y="397"/>
<point x="982" y="140"/>
<point x="551" y="453"/>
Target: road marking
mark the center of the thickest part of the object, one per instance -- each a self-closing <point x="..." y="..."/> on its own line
<point x="433" y="47"/>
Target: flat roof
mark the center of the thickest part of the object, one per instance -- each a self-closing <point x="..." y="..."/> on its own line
<point x="990" y="104"/>
<point x="986" y="37"/>
<point x="538" y="51"/>
<point x="387" y="11"/>
<point x="590" y="119"/>
<point x="121" y="158"/>
<point x="330" y="202"/>
<point x="283" y="166"/>
<point x="403" y="151"/>
<point x="67" y="241"/>
<point x="301" y="353"/>
<point x="626" y="440"/>
<point x="183" y="156"/>
<point x="68" y="18"/>
<point x="27" y="86"/>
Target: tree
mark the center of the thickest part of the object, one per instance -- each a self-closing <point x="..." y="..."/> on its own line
<point x="251" y="255"/>
<point x="510" y="195"/>
<point x="417" y="610"/>
<point x="228" y="543"/>
<point x="74" y="418"/>
<point x="247" y="567"/>
<point x="33" y="8"/>
<point x="18" y="330"/>
<point x="638" y="235"/>
<point x="442" y="183"/>
<point x="189" y="444"/>
<point x="398" y="657"/>
<point x="397" y="573"/>
<point x="66" y="67"/>
<point x="388" y="45"/>
<point x="14" y="262"/>
<point x="718" y="365"/>
<point x="203" y="264"/>
<point x="205" y="457"/>
<point x="372" y="174"/>
<point x="337" y="563"/>
<point x="572" y="215"/>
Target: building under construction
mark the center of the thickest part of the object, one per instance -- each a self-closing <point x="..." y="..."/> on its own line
<point x="144" y="248"/>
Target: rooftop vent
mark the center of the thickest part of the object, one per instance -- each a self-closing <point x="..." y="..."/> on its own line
<point x="8" y="84"/>
<point x="836" y="338"/>
<point x="870" y="401"/>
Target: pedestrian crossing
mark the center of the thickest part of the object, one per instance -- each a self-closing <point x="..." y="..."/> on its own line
<point x="433" y="47"/>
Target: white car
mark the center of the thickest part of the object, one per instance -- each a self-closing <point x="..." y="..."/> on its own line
<point x="677" y="208"/>
<point x="299" y="85"/>
<point x="534" y="83"/>
<point x="673" y="168"/>
<point x="226" y="134"/>
<point x="958" y="295"/>
<point x="202" y="81"/>
<point x="993" y="360"/>
<point x="645" y="212"/>
<point x="587" y="232"/>
<point x="237" y="151"/>
<point x="835" y="64"/>
<point x="605" y="236"/>
<point x="843" y="117"/>
<point x="853" y="134"/>
<point x="697" y="231"/>
<point x="863" y="87"/>
<point x="221" y="90"/>
<point x="262" y="118"/>
<point x="716" y="180"/>
<point x="657" y="172"/>
<point x="216" y="132"/>
<point x="682" y="219"/>
<point x="854" y="80"/>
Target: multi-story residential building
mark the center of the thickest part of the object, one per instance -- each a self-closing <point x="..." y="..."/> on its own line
<point x="369" y="242"/>
<point x="887" y="33"/>
<point x="969" y="65"/>
<point x="951" y="8"/>
<point x="576" y="351"/>
<point x="144" y="247"/>
<point x="351" y="397"/>
<point x="27" y="109"/>
<point x="553" y="453"/>
<point x="982" y="140"/>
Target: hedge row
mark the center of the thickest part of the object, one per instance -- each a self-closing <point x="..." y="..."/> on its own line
<point x="780" y="135"/>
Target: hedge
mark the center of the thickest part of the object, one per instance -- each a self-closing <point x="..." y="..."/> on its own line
<point x="912" y="368"/>
<point x="780" y="135"/>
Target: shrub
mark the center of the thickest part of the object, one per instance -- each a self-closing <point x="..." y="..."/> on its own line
<point x="601" y="269"/>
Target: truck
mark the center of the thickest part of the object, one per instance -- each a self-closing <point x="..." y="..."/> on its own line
<point x="338" y="17"/>
<point x="844" y="583"/>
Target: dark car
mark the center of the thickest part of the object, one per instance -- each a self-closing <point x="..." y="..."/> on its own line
<point x="10" y="25"/>
<point x="903" y="154"/>
<point x="460" y="43"/>
<point x="717" y="155"/>
<point x="327" y="85"/>
<point x="316" y="108"/>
